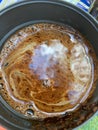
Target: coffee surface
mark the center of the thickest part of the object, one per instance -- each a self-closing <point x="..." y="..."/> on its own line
<point x="46" y="70"/>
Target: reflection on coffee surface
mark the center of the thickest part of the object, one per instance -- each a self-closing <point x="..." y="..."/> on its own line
<point x="46" y="70"/>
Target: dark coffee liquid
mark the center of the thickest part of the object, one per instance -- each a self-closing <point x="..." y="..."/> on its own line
<point x="46" y="70"/>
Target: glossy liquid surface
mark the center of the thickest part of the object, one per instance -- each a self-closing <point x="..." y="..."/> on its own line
<point x="47" y="70"/>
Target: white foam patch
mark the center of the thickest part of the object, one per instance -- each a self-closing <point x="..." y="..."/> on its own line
<point x="80" y="63"/>
<point x="45" y="57"/>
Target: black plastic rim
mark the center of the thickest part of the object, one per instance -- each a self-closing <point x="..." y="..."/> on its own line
<point x="87" y="16"/>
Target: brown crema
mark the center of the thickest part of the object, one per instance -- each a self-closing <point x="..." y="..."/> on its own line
<point x="47" y="70"/>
